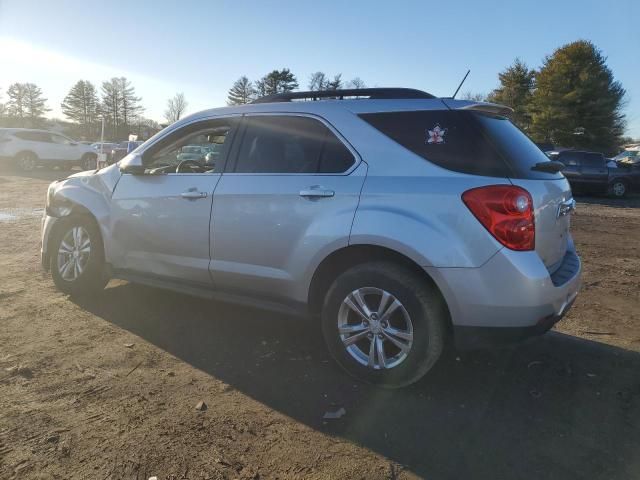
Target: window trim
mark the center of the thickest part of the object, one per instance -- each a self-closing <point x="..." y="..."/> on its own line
<point x="201" y="120"/>
<point x="232" y="159"/>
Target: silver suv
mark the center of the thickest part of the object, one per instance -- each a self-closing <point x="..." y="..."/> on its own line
<point x="396" y="219"/>
<point x="28" y="148"/>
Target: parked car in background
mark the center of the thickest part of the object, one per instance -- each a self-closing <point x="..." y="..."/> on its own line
<point x="121" y="150"/>
<point x="106" y="147"/>
<point x="397" y="221"/>
<point x="629" y="156"/>
<point x="29" y="148"/>
<point x="588" y="172"/>
<point x="193" y="152"/>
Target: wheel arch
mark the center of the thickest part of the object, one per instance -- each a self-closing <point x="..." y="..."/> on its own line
<point x="77" y="211"/>
<point x="22" y="152"/>
<point x="347" y="257"/>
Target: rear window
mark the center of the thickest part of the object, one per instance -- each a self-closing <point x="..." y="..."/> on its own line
<point x="463" y="141"/>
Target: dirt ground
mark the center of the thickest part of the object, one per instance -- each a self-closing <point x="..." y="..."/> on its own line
<point x="107" y="388"/>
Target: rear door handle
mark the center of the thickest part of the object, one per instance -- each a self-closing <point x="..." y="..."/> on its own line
<point x="316" y="191"/>
<point x="193" y="194"/>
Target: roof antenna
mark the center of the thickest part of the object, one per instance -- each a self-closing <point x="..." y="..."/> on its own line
<point x="458" y="89"/>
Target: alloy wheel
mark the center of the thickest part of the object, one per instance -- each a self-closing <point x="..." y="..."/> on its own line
<point x="26" y="162"/>
<point x="375" y="328"/>
<point x="73" y="253"/>
<point x="619" y="189"/>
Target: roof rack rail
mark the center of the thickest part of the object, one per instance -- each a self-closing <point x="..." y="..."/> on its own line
<point x="370" y="93"/>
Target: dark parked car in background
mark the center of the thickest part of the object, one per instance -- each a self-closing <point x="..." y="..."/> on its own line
<point x="121" y="150"/>
<point x="588" y="172"/>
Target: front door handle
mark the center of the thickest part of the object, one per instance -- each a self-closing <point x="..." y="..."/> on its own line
<point x="316" y="191"/>
<point x="193" y="194"/>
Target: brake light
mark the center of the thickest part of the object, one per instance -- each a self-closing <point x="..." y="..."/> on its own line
<point x="507" y="212"/>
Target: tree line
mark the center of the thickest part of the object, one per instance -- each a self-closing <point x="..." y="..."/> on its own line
<point x="279" y="81"/>
<point x="572" y="100"/>
<point x="116" y="103"/>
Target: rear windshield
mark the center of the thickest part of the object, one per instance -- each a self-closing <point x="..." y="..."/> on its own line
<point x="464" y="141"/>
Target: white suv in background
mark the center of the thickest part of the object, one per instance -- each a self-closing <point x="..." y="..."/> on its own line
<point x="30" y="147"/>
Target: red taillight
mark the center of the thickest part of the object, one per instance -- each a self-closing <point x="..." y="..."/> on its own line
<point x="507" y="212"/>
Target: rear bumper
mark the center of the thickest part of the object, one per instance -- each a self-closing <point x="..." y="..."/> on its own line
<point x="509" y="298"/>
<point x="467" y="338"/>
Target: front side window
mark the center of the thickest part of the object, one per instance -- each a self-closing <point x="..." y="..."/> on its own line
<point x="291" y="144"/>
<point x="196" y="148"/>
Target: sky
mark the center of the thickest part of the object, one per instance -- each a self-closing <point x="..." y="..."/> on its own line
<point x="201" y="47"/>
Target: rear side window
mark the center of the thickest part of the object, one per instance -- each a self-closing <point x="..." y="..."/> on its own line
<point x="463" y="141"/>
<point x="291" y="144"/>
<point x="569" y="158"/>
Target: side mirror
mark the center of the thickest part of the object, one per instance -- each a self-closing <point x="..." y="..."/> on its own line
<point x="132" y="164"/>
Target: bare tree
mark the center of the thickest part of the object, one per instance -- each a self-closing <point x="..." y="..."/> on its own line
<point x="176" y="107"/>
<point x="317" y="81"/>
<point x="475" y="97"/>
<point x="356" y="83"/>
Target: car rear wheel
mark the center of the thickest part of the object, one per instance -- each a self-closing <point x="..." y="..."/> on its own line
<point x="76" y="257"/>
<point x="384" y="324"/>
<point x="26" y="161"/>
<point x="88" y="162"/>
<point x="618" y="188"/>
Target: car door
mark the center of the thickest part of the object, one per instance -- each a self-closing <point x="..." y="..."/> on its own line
<point x="594" y="171"/>
<point x="288" y="197"/>
<point x="160" y="219"/>
<point x="571" y="170"/>
<point x="64" y="148"/>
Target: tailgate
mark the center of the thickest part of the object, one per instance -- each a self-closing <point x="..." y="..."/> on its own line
<point x="552" y="201"/>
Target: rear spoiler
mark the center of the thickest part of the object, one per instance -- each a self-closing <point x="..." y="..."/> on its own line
<point x="486" y="107"/>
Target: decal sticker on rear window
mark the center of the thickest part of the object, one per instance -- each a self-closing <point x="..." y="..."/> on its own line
<point x="436" y="134"/>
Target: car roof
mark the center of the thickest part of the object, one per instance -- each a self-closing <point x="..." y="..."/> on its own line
<point x="16" y="129"/>
<point x="357" y="106"/>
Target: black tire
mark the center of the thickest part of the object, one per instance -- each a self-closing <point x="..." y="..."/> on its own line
<point x="88" y="162"/>
<point x="618" y="188"/>
<point x="26" y="161"/>
<point x="93" y="278"/>
<point x="421" y="301"/>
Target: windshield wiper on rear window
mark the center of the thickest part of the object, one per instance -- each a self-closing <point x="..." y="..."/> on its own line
<point x="550" y="167"/>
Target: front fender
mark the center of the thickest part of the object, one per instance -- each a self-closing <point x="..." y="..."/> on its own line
<point x="86" y="193"/>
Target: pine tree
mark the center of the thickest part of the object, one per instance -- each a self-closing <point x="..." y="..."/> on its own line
<point x="277" y="81"/>
<point x="110" y="106"/>
<point x="3" y="112"/>
<point x="35" y="104"/>
<point x="241" y="92"/>
<point x="516" y="87"/>
<point x="119" y="106"/>
<point x="81" y="106"/>
<point x="25" y="104"/>
<point x="577" y="103"/>
<point x="130" y="104"/>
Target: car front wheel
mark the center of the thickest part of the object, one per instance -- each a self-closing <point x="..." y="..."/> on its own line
<point x="384" y="324"/>
<point x="77" y="257"/>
